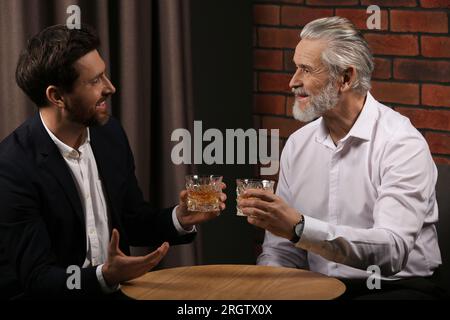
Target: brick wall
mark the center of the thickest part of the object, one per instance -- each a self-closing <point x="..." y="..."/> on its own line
<point x="412" y="60"/>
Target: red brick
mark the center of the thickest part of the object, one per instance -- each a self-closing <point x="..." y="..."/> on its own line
<point x="268" y="59"/>
<point x="435" y="3"/>
<point x="299" y="16"/>
<point x="293" y="1"/>
<point x="289" y="64"/>
<point x="269" y="104"/>
<point x="278" y="38"/>
<point x="435" y="95"/>
<point x="441" y="160"/>
<point x="382" y="68"/>
<point x="405" y="93"/>
<point x="427" y="119"/>
<point x="289" y="104"/>
<point x="438" y="47"/>
<point x="390" y="3"/>
<point x="256" y="122"/>
<point x="285" y="125"/>
<point x="280" y="1"/>
<point x="359" y="17"/>
<point x="332" y="2"/>
<point x="419" y="21"/>
<point x="438" y="142"/>
<point x="274" y="82"/>
<point x="391" y="44"/>
<point x="266" y="14"/>
<point x="420" y="70"/>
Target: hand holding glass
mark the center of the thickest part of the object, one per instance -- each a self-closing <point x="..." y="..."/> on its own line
<point x="244" y="184"/>
<point x="203" y="192"/>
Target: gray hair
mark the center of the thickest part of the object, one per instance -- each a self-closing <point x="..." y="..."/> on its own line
<point x="346" y="47"/>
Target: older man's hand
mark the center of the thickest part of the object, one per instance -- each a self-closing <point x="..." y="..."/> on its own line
<point x="188" y="219"/>
<point x="268" y="211"/>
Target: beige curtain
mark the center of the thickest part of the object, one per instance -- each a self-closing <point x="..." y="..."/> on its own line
<point x="147" y="47"/>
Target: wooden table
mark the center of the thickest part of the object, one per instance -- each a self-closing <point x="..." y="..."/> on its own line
<point x="233" y="282"/>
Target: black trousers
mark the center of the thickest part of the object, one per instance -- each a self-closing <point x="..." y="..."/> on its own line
<point x="405" y="289"/>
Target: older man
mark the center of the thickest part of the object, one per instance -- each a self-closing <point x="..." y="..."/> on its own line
<point x="356" y="186"/>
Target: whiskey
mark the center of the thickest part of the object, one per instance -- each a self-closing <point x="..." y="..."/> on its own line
<point x="203" y="198"/>
<point x="203" y="192"/>
<point x="244" y="184"/>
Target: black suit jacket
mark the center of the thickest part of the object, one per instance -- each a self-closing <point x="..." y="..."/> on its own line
<point x="42" y="227"/>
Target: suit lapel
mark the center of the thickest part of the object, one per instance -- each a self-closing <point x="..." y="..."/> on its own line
<point x="104" y="158"/>
<point x="50" y="159"/>
<point x="104" y="146"/>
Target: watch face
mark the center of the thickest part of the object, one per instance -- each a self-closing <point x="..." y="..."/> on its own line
<point x="299" y="228"/>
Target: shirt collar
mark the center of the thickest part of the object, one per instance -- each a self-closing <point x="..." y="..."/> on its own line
<point x="322" y="131"/>
<point x="65" y="150"/>
<point x="365" y="122"/>
<point x="362" y="128"/>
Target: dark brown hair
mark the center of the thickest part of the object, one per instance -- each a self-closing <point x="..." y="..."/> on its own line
<point x="49" y="60"/>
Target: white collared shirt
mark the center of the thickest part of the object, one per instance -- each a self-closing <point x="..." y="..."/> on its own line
<point x="84" y="171"/>
<point x="369" y="200"/>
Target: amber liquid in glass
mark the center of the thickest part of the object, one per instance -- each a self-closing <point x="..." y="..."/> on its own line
<point x="203" y="198"/>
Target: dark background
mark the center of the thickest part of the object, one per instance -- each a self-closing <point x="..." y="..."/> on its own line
<point x="222" y="79"/>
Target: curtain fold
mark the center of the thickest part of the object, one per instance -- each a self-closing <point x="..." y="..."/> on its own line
<point x="146" y="46"/>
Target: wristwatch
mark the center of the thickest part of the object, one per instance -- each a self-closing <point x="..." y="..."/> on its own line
<point x="298" y="230"/>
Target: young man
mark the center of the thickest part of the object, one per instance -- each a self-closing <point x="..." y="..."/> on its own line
<point x="67" y="181"/>
<point x="357" y="186"/>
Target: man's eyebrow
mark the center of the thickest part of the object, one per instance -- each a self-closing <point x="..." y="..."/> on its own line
<point x="98" y="75"/>
<point x="305" y="66"/>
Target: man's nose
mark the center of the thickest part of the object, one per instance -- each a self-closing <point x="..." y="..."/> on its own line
<point x="110" y="89"/>
<point x="295" y="80"/>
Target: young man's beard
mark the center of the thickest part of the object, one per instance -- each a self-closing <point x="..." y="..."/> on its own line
<point x="85" y="117"/>
<point x="318" y="104"/>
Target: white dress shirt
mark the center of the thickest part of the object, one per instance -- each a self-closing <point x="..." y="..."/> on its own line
<point x="369" y="200"/>
<point x="84" y="171"/>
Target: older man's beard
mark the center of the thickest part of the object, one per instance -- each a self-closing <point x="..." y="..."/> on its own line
<point x="318" y="104"/>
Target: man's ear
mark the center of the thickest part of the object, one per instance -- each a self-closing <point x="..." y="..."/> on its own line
<point x="54" y="96"/>
<point x="348" y="78"/>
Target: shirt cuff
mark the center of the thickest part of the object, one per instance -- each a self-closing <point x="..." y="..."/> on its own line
<point x="314" y="232"/>
<point x="101" y="280"/>
<point x="176" y="223"/>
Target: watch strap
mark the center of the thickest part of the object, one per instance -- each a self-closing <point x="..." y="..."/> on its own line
<point x="298" y="230"/>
